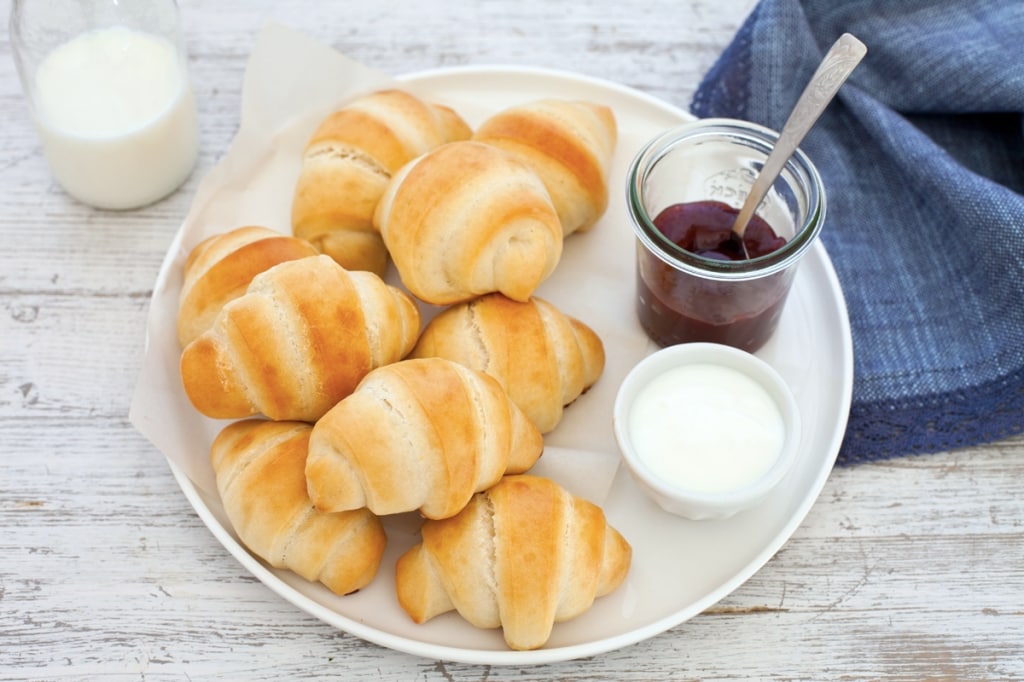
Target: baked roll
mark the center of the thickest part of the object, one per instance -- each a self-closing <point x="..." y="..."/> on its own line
<point x="542" y="357"/>
<point x="418" y="435"/>
<point x="570" y="144"/>
<point x="522" y="556"/>
<point x="220" y="268"/>
<point x="298" y="341"/>
<point x="467" y="219"/>
<point x="347" y="164"/>
<point x="260" y="468"/>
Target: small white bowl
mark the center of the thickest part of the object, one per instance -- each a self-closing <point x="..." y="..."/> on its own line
<point x="695" y="503"/>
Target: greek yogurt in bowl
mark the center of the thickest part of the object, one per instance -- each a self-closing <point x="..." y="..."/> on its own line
<point x="706" y="430"/>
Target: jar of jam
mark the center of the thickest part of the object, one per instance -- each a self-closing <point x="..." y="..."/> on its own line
<point x="695" y="282"/>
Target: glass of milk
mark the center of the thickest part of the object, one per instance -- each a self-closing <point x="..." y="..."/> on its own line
<point x="108" y="87"/>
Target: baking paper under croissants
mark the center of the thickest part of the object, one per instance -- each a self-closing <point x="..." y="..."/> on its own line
<point x="347" y="164"/>
<point x="260" y="469"/>
<point x="421" y="434"/>
<point x="542" y="357"/>
<point x="521" y="556"/>
<point x="298" y="341"/>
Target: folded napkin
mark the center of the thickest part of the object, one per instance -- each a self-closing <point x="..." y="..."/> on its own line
<point x="922" y="157"/>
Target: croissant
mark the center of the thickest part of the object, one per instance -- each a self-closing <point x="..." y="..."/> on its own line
<point x="418" y="434"/>
<point x="467" y="219"/>
<point x="220" y="268"/>
<point x="569" y="143"/>
<point x="543" y="358"/>
<point x="298" y="341"/>
<point x="522" y="556"/>
<point x="260" y="469"/>
<point x="346" y="166"/>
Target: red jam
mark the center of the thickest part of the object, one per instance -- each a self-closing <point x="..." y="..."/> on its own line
<point x="675" y="307"/>
<point x="705" y="228"/>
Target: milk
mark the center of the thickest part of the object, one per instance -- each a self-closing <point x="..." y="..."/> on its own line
<point x="117" y="117"/>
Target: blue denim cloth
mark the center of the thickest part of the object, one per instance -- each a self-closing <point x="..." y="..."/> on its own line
<point x="922" y="156"/>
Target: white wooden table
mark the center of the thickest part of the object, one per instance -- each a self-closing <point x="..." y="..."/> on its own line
<point x="910" y="569"/>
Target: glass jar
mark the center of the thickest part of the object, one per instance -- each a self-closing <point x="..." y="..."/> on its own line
<point x="684" y="297"/>
<point x="108" y="88"/>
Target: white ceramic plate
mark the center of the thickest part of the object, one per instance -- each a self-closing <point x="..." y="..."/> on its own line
<point x="680" y="567"/>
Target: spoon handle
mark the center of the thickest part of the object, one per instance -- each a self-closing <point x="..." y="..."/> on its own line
<point x="841" y="59"/>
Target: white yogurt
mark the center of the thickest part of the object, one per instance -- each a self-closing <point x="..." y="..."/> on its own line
<point x="117" y="117"/>
<point x="706" y="427"/>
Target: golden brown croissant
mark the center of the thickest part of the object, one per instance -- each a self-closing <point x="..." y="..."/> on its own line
<point x="220" y="268"/>
<point x="418" y="434"/>
<point x="522" y="556"/>
<point x="569" y="143"/>
<point x="543" y="358"/>
<point x="298" y="341"/>
<point x="260" y="468"/>
<point x="467" y="219"/>
<point x="346" y="166"/>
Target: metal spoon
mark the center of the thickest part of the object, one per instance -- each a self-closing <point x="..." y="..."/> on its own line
<point x="841" y="59"/>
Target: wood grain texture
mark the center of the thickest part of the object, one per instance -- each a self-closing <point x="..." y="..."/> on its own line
<point x="906" y="570"/>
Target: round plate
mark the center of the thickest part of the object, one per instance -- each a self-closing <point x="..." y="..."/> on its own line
<point x="679" y="567"/>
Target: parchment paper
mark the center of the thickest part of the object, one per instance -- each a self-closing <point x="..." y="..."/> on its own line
<point x="291" y="83"/>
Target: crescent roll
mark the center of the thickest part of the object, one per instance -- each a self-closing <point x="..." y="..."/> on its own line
<point x="542" y="357"/>
<point x="298" y="341"/>
<point x="522" y="556"/>
<point x="570" y="144"/>
<point x="418" y="434"/>
<point x="260" y="468"/>
<point x="220" y="268"/>
<point x="347" y="164"/>
<point x="467" y="219"/>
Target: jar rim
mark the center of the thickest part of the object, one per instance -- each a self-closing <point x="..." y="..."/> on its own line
<point x="759" y="138"/>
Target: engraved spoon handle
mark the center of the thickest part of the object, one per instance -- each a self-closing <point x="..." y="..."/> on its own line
<point x="841" y="59"/>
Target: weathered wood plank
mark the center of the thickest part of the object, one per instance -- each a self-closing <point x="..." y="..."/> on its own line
<point x="907" y="569"/>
